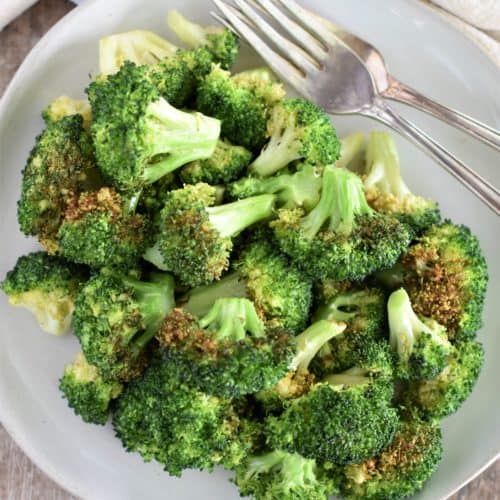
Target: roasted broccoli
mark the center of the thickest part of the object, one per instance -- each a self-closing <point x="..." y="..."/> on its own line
<point x="194" y="239"/>
<point x="47" y="286"/>
<point x="98" y="231"/>
<point x="445" y="275"/>
<point x="139" y="137"/>
<point x="88" y="394"/>
<point x="115" y="318"/>
<point x="66" y="106"/>
<point x="443" y="395"/>
<point x="299" y="189"/>
<point x="421" y="344"/>
<point x="227" y="352"/>
<point x="221" y="42"/>
<point x="401" y="469"/>
<point x="226" y="164"/>
<point x="344" y="419"/>
<point x="164" y="419"/>
<point x="278" y="475"/>
<point x="352" y="151"/>
<point x="341" y="237"/>
<point x="298" y="130"/>
<point x="243" y="104"/>
<point x="58" y="168"/>
<point x="385" y="189"/>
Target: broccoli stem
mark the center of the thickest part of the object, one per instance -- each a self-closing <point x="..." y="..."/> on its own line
<point x="352" y="145"/>
<point x="192" y="136"/>
<point x="282" y="148"/>
<point x="231" y="218"/>
<point x="232" y="318"/>
<point x="201" y="299"/>
<point x="349" y="378"/>
<point x="344" y="306"/>
<point x="382" y="166"/>
<point x="311" y="340"/>
<point x="342" y="199"/>
<point x="190" y="33"/>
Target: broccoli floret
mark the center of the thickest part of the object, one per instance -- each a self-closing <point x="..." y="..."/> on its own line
<point x="445" y="275"/>
<point x="66" y="106"/>
<point x="344" y="419"/>
<point x="341" y="237"/>
<point x="299" y="189"/>
<point x="280" y="292"/>
<point x="98" y="231"/>
<point x="115" y="318"/>
<point x="88" y="394"/>
<point x="401" y="469"/>
<point x="298" y="130"/>
<point x="283" y="476"/>
<point x="443" y="395"/>
<point x="58" y="168"/>
<point x="387" y="192"/>
<point x="165" y="420"/>
<point x="47" y="286"/>
<point x="363" y="312"/>
<point x="225" y="165"/>
<point x="221" y="42"/>
<point x="153" y="196"/>
<point x="243" y="104"/>
<point x="139" y="137"/>
<point x="421" y="344"/>
<point x="228" y="352"/>
<point x="195" y="239"/>
<point x="137" y="46"/>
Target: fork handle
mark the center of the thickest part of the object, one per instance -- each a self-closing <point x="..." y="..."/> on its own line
<point x="401" y="92"/>
<point x="487" y="193"/>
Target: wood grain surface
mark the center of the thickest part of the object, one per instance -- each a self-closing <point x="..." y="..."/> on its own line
<point x="20" y="479"/>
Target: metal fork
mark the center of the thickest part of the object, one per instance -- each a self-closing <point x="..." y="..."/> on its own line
<point x="326" y="71"/>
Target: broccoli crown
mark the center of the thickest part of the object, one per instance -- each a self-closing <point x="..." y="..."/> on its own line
<point x="421" y="344"/>
<point x="195" y="239"/>
<point x="98" y="231"/>
<point x="443" y="395"/>
<point x="401" y="469"/>
<point x="47" y="286"/>
<point x="243" y="109"/>
<point x="139" y="137"/>
<point x="164" y="419"/>
<point x="341" y="237"/>
<point x="57" y="169"/>
<point x="221" y="42"/>
<point x="387" y="192"/>
<point x="87" y="392"/>
<point x="339" y="423"/>
<point x="227" y="352"/>
<point x="66" y="106"/>
<point x="362" y="343"/>
<point x="225" y="165"/>
<point x="298" y="189"/>
<point x="278" y="475"/>
<point x="282" y="294"/>
<point x="152" y="198"/>
<point x="115" y="318"/>
<point x="298" y="129"/>
<point x="445" y="275"/>
<point x="137" y="46"/>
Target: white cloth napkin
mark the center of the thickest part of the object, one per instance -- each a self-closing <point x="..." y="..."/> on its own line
<point x="477" y="19"/>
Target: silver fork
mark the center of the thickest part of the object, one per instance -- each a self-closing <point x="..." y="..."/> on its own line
<point x="326" y="71"/>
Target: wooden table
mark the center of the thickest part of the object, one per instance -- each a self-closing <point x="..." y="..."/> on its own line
<point x="20" y="479"/>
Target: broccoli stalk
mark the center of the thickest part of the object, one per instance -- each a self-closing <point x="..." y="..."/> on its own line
<point x="351" y="148"/>
<point x="298" y="129"/>
<point x="137" y="46"/>
<point x="221" y="42"/>
<point x="87" y="392"/>
<point x="421" y="344"/>
<point x="385" y="189"/>
<point x="116" y="317"/>
<point x="194" y="241"/>
<point x="282" y="475"/>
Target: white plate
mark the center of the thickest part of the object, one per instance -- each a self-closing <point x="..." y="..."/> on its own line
<point x="421" y="50"/>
